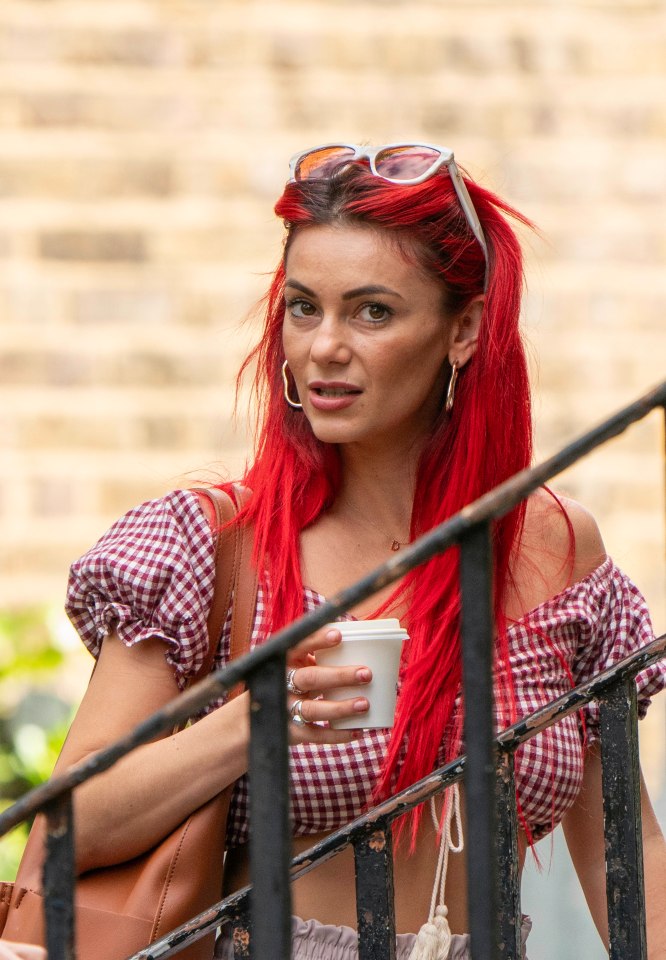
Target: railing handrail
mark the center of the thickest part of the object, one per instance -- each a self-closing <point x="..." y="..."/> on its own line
<point x="508" y="740"/>
<point x="492" y="505"/>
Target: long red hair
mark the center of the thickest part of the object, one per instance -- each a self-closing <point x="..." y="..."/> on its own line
<point x="486" y="438"/>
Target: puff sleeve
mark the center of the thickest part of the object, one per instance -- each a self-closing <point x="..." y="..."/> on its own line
<point x="150" y="575"/>
<point x="620" y="624"/>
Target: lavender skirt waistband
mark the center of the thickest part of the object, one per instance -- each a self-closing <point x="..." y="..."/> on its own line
<point x="318" y="941"/>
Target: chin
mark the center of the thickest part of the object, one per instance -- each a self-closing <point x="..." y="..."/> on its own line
<point x="328" y="432"/>
<point x="332" y="436"/>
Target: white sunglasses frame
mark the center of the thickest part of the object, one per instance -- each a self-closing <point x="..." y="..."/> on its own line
<point x="445" y="159"/>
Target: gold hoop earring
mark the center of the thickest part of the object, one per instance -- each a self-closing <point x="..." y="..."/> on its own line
<point x="295" y="405"/>
<point x="450" y="393"/>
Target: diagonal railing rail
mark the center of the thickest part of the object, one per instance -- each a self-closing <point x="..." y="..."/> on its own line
<point x="487" y="766"/>
<point x="234" y="909"/>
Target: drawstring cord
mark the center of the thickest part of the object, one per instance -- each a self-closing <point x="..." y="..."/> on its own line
<point x="433" y="941"/>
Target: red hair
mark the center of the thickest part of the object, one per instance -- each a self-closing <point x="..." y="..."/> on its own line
<point x="486" y="439"/>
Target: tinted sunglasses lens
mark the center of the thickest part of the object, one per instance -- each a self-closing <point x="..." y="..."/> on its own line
<point x="323" y="163"/>
<point x="406" y="163"/>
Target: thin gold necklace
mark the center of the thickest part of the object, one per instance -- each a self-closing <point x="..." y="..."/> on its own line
<point x="395" y="543"/>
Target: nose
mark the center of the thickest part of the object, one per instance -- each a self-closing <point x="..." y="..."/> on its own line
<point x="330" y="343"/>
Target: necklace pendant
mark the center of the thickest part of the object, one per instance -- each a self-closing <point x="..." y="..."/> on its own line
<point x="395" y="546"/>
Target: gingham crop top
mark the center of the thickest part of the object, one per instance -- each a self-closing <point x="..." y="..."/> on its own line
<point x="152" y="574"/>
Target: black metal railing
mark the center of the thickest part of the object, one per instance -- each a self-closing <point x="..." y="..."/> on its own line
<point x="487" y="768"/>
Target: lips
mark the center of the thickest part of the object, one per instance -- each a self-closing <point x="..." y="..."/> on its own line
<point x="332" y="395"/>
<point x="333" y="388"/>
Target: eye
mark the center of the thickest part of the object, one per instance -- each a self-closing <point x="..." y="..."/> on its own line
<point x="375" y="312"/>
<point x="300" y="307"/>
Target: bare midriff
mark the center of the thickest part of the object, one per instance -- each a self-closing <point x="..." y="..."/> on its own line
<point x="328" y="892"/>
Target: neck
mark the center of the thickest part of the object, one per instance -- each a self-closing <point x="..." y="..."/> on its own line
<point x="380" y="487"/>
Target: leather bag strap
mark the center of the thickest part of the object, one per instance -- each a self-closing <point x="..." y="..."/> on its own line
<point x="235" y="575"/>
<point x="246" y="583"/>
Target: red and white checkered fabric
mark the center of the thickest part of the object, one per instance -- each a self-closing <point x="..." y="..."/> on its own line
<point x="151" y="575"/>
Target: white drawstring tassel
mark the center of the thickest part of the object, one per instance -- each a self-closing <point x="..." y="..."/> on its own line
<point x="433" y="941"/>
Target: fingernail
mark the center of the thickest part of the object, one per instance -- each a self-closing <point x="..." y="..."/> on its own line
<point x="333" y="636"/>
<point x="361" y="706"/>
<point x="363" y="675"/>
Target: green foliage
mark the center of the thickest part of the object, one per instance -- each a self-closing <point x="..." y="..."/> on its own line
<point x="33" y="717"/>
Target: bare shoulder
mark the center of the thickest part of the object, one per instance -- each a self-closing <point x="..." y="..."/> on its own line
<point x="560" y="545"/>
<point x="558" y="527"/>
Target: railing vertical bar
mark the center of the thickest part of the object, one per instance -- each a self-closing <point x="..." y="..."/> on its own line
<point x="477" y="646"/>
<point x="375" y="908"/>
<point x="625" y="891"/>
<point x="58" y="879"/>
<point x="270" y="830"/>
<point x="509" y="918"/>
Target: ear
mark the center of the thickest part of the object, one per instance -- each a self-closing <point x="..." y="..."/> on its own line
<point x="464" y="332"/>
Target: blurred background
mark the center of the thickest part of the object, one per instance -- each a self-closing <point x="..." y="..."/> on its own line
<point x="142" y="146"/>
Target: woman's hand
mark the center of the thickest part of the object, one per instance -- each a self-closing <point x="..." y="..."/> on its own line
<point x="309" y="681"/>
<point x="20" y="951"/>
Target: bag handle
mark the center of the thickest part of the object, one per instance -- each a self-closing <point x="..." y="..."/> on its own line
<point x="235" y="575"/>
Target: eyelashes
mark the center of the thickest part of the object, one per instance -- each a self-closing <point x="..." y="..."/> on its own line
<point x="373" y="312"/>
<point x="300" y="308"/>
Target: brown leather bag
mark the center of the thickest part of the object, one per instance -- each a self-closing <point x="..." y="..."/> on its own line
<point x="124" y="907"/>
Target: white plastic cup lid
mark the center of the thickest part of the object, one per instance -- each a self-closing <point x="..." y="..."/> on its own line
<point x="367" y="629"/>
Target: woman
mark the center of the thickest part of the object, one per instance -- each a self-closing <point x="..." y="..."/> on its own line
<point x="393" y="391"/>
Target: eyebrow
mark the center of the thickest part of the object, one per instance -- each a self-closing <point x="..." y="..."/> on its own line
<point x="370" y="290"/>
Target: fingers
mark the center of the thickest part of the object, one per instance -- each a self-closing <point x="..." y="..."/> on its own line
<point x="308" y="715"/>
<point x="325" y="711"/>
<point x="313" y="680"/>
<point x="305" y="677"/>
<point x="306" y="682"/>
<point x="320" y="640"/>
<point x="310" y="719"/>
<point x="20" y="951"/>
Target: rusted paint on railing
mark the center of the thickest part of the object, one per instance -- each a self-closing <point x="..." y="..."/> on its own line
<point x="508" y="881"/>
<point x="373" y="860"/>
<point x="625" y="893"/>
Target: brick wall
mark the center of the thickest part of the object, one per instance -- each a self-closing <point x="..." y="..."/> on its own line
<point x="142" y="145"/>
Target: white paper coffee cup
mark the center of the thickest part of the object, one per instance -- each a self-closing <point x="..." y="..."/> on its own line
<point x="376" y="644"/>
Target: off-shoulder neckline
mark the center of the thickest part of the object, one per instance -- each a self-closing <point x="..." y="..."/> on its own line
<point x="558" y="599"/>
<point x="599" y="573"/>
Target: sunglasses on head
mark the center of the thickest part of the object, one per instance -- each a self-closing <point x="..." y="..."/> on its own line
<point x="401" y="163"/>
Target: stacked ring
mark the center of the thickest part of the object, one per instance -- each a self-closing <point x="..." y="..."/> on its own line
<point x="296" y="715"/>
<point x="291" y="686"/>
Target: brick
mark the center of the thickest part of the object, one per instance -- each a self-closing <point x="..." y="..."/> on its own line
<point x="53" y="497"/>
<point x="115" y="497"/>
<point x="53" y="108"/>
<point x="60" y="432"/>
<point x="31" y="300"/>
<point x="95" y="246"/>
<point x="28" y="44"/>
<point x="26" y="367"/>
<point x="122" y="47"/>
<point x="140" y="306"/>
<point x="85" y="179"/>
